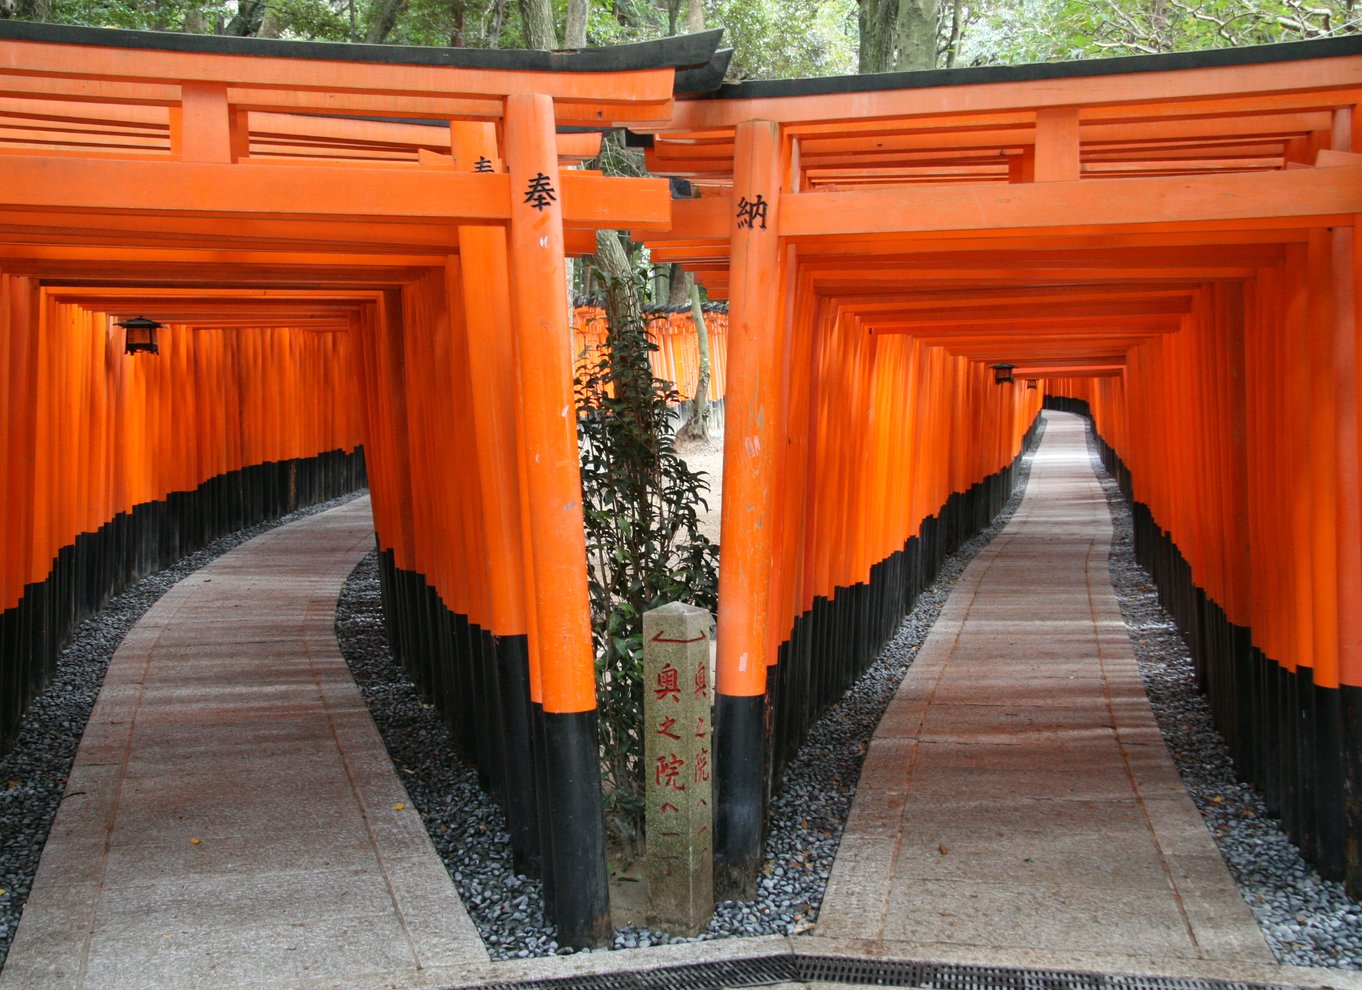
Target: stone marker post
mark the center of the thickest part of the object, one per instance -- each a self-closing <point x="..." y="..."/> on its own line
<point x="677" y="766"/>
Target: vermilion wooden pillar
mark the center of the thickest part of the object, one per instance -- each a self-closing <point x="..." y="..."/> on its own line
<point x="553" y="489"/>
<point x="752" y="430"/>
<point x="485" y="295"/>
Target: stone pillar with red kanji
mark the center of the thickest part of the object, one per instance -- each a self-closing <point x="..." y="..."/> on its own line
<point x="677" y="765"/>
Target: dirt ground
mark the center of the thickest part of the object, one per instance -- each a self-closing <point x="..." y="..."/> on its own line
<point x="707" y="456"/>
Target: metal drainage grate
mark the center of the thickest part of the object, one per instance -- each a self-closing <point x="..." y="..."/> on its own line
<point x="761" y="971"/>
<point x="787" y="968"/>
<point x="949" y="976"/>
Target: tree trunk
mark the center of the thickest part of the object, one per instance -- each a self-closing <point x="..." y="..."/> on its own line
<point x="898" y="35"/>
<point x="695" y="17"/>
<point x="574" y="34"/>
<point x="621" y="301"/>
<point x="697" y="427"/>
<point x="383" y="20"/>
<point x="876" y="18"/>
<point x="271" y="25"/>
<point x="537" y="16"/>
<point x="957" y="25"/>
<point x="679" y="291"/>
<point x="196" y="21"/>
<point x="246" y="23"/>
<point x="915" y="35"/>
<point x="498" y="24"/>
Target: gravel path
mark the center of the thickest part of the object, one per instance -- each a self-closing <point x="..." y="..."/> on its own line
<point x="33" y="774"/>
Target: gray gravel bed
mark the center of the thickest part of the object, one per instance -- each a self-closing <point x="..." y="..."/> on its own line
<point x="469" y="830"/>
<point x="33" y="774"/>
<point x="1307" y="920"/>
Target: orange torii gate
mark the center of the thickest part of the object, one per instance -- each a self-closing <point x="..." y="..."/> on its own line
<point x="1169" y="238"/>
<point x="347" y="244"/>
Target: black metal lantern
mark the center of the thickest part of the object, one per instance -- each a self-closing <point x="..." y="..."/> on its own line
<point x="1002" y="373"/>
<point x="1030" y="384"/>
<point x="141" y="335"/>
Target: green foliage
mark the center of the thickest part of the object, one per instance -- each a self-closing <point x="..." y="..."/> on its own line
<point x="164" y="15"/>
<point x="644" y="545"/>
<point x="771" y="38"/>
<point x="625" y="21"/>
<point x="311" y="20"/>
<point x="785" y="39"/>
<point x="1012" y="31"/>
<point x="301" y="19"/>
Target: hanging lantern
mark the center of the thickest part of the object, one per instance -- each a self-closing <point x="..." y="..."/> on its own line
<point x="141" y="335"/>
<point x="1030" y="384"/>
<point x="1002" y="373"/>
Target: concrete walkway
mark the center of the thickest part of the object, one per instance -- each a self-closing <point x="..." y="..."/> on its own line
<point x="233" y="819"/>
<point x="1018" y="804"/>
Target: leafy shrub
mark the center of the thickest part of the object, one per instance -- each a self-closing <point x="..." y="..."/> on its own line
<point x="644" y="545"/>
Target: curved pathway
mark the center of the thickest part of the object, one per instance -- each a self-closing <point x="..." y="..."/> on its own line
<point x="233" y="819"/>
<point x="1017" y="803"/>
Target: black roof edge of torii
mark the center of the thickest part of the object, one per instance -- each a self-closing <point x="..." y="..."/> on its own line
<point x="1079" y="68"/>
<point x="695" y="56"/>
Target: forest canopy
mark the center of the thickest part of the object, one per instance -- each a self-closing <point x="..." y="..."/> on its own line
<point x="771" y="38"/>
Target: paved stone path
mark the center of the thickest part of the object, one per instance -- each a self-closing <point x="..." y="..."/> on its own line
<point x="233" y="819"/>
<point x="1017" y="798"/>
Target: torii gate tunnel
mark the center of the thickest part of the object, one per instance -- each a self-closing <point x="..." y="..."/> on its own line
<point x="359" y="255"/>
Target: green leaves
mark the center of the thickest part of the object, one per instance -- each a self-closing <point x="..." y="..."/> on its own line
<point x="644" y="546"/>
<point x="1007" y="31"/>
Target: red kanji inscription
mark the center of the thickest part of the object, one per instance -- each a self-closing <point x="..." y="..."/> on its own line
<point x="668" y="684"/>
<point x="702" y="766"/>
<point x="669" y="772"/>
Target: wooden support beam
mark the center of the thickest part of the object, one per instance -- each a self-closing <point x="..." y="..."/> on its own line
<point x="202" y="128"/>
<point x="327" y="80"/>
<point x="1056" y="154"/>
<point x="344" y="192"/>
<point x="1313" y="197"/>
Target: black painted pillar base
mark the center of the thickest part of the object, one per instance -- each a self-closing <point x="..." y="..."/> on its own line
<point x="739" y="811"/>
<point x="522" y="815"/>
<point x="1351" y="731"/>
<point x="544" y="817"/>
<point x="572" y="771"/>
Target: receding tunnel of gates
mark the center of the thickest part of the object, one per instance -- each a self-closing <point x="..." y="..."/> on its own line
<point x="1295" y="740"/>
<point x="119" y="464"/>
